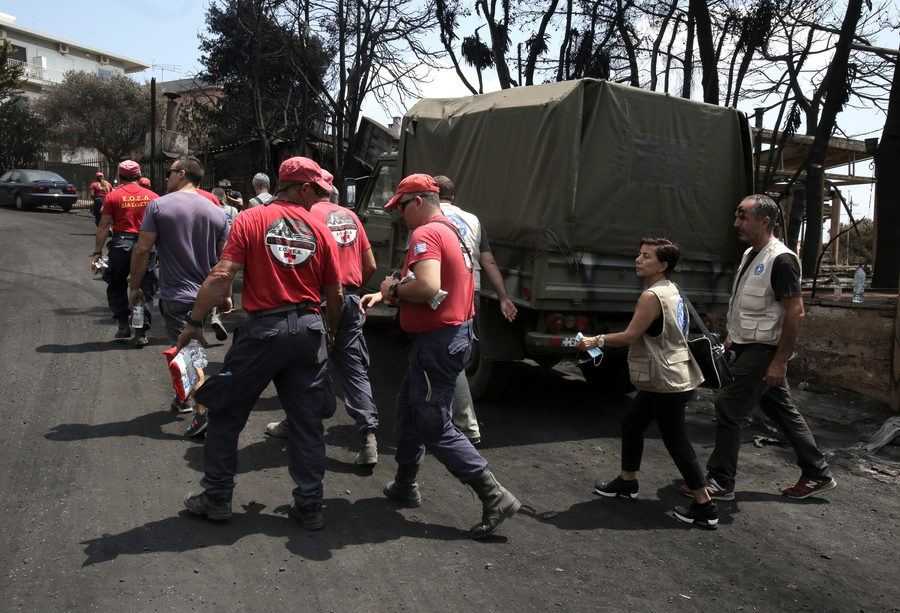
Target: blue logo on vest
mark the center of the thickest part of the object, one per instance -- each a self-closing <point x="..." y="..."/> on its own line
<point x="758" y="270"/>
<point x="459" y="223"/>
<point x="681" y="317"/>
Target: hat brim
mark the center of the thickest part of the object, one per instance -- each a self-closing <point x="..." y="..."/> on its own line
<point x="394" y="203"/>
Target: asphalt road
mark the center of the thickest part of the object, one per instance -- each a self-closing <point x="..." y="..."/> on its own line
<point x="95" y="467"/>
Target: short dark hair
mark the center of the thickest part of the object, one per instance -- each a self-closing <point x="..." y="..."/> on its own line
<point x="192" y="167"/>
<point x="764" y="206"/>
<point x="666" y="251"/>
<point x="448" y="192"/>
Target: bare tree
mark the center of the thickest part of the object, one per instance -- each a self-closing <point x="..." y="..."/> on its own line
<point x="379" y="51"/>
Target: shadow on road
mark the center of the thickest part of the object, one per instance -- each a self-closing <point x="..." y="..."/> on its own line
<point x="366" y="521"/>
<point x="148" y="426"/>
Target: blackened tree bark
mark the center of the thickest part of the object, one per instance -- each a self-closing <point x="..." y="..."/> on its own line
<point x="708" y="59"/>
<point x="837" y="92"/>
<point x="887" y="194"/>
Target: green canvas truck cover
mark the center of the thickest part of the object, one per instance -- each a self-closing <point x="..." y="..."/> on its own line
<point x="587" y="165"/>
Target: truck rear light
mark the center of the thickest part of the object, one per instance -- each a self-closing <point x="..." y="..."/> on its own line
<point x="526" y="293"/>
<point x="555" y="323"/>
<point x="580" y="324"/>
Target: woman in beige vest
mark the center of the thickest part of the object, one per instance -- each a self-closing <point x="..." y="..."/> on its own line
<point x="662" y="369"/>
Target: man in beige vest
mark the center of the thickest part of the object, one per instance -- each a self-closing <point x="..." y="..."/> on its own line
<point x="764" y="318"/>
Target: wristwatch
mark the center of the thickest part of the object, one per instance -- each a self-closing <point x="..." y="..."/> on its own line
<point x="601" y="341"/>
<point x="96" y="253"/>
<point x="192" y="322"/>
<point x="392" y="291"/>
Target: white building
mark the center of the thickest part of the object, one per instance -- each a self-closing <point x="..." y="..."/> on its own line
<point x="47" y="58"/>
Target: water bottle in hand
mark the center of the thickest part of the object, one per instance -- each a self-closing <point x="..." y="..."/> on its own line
<point x="198" y="356"/>
<point x="137" y="316"/>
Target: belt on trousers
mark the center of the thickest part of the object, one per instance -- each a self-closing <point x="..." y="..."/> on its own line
<point x="285" y="309"/>
<point x="350" y="289"/>
<point x="441" y="333"/>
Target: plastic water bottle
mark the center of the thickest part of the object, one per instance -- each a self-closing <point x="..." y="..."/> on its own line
<point x="103" y="262"/>
<point x="137" y="316"/>
<point x="859" y="285"/>
<point x="198" y="356"/>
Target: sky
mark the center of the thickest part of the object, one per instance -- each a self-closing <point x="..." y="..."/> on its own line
<point x="164" y="34"/>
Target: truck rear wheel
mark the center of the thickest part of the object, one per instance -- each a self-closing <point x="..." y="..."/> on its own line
<point x="611" y="376"/>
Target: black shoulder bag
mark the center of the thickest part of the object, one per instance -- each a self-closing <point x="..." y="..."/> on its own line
<point x="707" y="351"/>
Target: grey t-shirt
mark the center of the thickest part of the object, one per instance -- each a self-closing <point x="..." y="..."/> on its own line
<point x="187" y="226"/>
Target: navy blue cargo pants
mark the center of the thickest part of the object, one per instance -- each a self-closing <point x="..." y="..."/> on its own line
<point x="425" y="403"/>
<point x="350" y="358"/>
<point x="289" y="349"/>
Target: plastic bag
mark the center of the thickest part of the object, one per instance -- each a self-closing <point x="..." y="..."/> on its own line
<point x="185" y="378"/>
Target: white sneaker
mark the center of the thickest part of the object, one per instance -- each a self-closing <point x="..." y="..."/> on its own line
<point x="278" y="429"/>
<point x="217" y="326"/>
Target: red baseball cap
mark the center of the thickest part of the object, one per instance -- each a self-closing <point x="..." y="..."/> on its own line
<point x="328" y="178"/>
<point x="129" y="168"/>
<point x="411" y="185"/>
<point x="99" y="175"/>
<point x="144" y="181"/>
<point x="302" y="170"/>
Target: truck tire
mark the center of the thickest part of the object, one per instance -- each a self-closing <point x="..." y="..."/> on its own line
<point x="486" y="379"/>
<point x="611" y="376"/>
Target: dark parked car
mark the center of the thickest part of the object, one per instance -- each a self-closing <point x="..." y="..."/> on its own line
<point x="28" y="188"/>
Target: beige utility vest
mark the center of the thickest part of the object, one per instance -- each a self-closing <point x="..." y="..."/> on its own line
<point x="664" y="363"/>
<point x="754" y="316"/>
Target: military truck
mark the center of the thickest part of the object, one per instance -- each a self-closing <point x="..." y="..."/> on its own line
<point x="567" y="178"/>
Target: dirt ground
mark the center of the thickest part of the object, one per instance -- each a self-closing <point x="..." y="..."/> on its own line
<point x="95" y="468"/>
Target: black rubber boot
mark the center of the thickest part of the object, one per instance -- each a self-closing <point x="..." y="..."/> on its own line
<point x="124" y="330"/>
<point x="404" y="488"/>
<point x="498" y="505"/>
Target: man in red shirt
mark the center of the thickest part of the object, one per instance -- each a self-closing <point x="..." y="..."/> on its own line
<point x="437" y="308"/>
<point x="99" y="189"/>
<point x="350" y="355"/>
<point x="124" y="209"/>
<point x="288" y="256"/>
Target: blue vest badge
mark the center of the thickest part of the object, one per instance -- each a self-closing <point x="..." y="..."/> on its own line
<point x="758" y="270"/>
<point x="681" y="317"/>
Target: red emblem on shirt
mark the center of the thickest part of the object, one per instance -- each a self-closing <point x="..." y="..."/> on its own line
<point x="343" y="228"/>
<point x="291" y="243"/>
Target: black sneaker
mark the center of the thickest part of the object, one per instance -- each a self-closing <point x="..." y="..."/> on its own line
<point x="703" y="515"/>
<point x="310" y="515"/>
<point x="617" y="488"/>
<point x="203" y="504"/>
<point x="188" y="406"/>
<point x="198" y="425"/>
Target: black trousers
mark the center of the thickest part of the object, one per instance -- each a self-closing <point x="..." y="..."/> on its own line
<point x="668" y="411"/>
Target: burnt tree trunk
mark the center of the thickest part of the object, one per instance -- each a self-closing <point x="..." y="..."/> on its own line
<point x="887" y="194"/>
<point x="837" y="92"/>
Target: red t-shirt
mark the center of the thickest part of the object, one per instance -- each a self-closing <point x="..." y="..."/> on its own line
<point x="126" y="204"/>
<point x="350" y="237"/>
<point x="100" y="189"/>
<point x="210" y="196"/>
<point x="288" y="255"/>
<point x="435" y="241"/>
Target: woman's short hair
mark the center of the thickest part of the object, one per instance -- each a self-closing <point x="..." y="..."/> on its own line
<point x="666" y="251"/>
